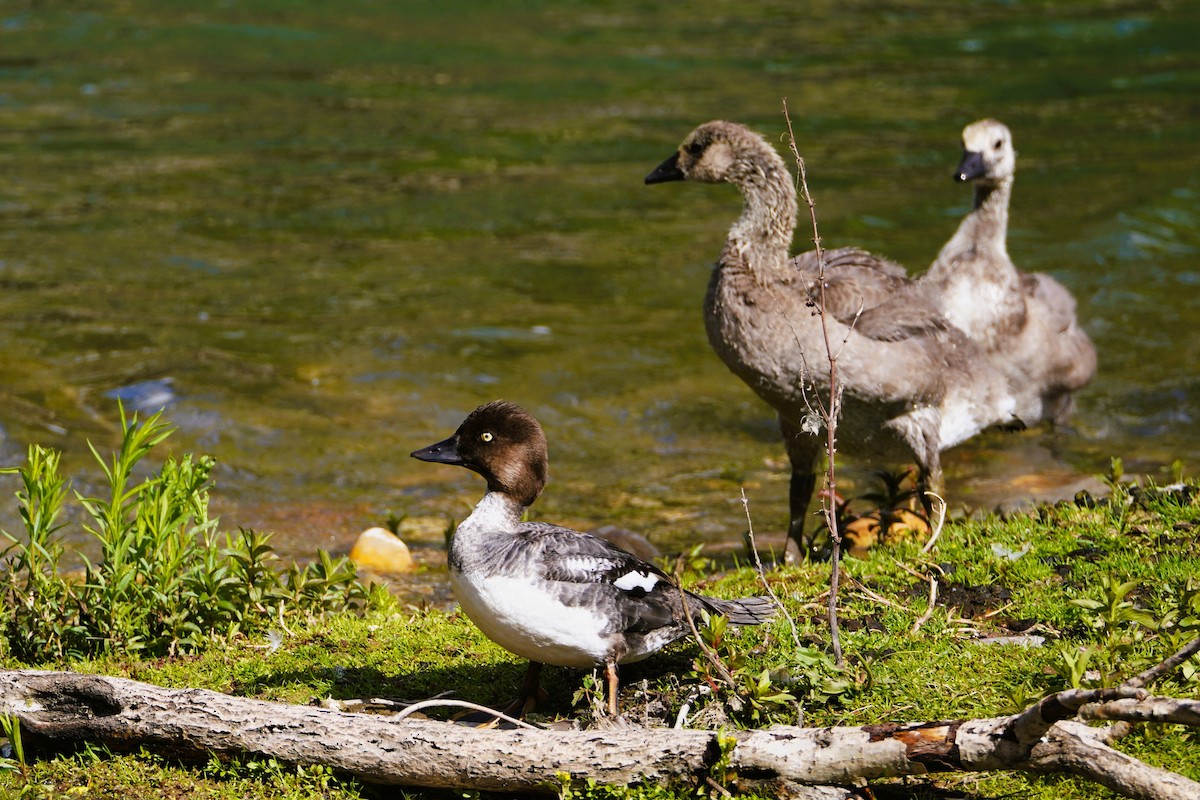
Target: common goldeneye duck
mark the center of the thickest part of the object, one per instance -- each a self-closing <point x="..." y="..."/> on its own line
<point x="547" y="593"/>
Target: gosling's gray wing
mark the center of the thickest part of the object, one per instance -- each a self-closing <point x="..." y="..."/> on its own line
<point x="873" y="295"/>
<point x="1052" y="296"/>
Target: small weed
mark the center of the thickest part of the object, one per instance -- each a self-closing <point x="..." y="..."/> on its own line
<point x="392" y="521"/>
<point x="315" y="780"/>
<point x="1123" y="629"/>
<point x="166" y="580"/>
<point x="1113" y="613"/>
<point x="755" y="694"/>
<point x="11" y="727"/>
<point x="590" y="695"/>
<point x="691" y="563"/>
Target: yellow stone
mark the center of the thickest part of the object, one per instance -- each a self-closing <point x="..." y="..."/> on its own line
<point x="381" y="550"/>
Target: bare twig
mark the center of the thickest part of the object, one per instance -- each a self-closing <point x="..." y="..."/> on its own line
<point x="941" y="521"/>
<point x="721" y="790"/>
<point x="878" y="598"/>
<point x="828" y="498"/>
<point x="933" y="591"/>
<point x="708" y="652"/>
<point x="1000" y="610"/>
<point x="1152" y="709"/>
<point x="762" y="575"/>
<point x="1030" y="725"/>
<point x="686" y="707"/>
<point x="1168" y="665"/>
<point x="369" y="704"/>
<point x="415" y="707"/>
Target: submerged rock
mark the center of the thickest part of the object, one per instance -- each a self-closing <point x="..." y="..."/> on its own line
<point x="628" y="541"/>
<point x="147" y="397"/>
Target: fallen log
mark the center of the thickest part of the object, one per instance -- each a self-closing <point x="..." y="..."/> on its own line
<point x="61" y="710"/>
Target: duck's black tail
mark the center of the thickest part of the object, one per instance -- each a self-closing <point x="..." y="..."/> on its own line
<point x="747" y="611"/>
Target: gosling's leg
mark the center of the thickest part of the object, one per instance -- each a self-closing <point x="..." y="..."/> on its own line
<point x="802" y="450"/>
<point x="930" y="480"/>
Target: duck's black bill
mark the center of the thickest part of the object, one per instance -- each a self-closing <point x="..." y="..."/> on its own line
<point x="666" y="171"/>
<point x="970" y="168"/>
<point x="444" y="452"/>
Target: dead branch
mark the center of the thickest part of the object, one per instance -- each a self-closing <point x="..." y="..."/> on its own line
<point x="1150" y="709"/>
<point x="1167" y="666"/>
<point x="60" y="710"/>
<point x="832" y="411"/>
<point x="762" y="573"/>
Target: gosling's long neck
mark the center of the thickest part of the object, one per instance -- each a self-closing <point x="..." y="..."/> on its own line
<point x="990" y="213"/>
<point x="981" y="238"/>
<point x="759" y="240"/>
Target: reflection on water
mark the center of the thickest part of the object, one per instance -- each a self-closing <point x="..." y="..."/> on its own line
<point x="319" y="236"/>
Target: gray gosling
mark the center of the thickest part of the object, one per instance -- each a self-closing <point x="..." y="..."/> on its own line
<point x="1025" y="321"/>
<point x="911" y="384"/>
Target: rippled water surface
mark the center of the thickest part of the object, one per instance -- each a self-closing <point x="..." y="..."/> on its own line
<point x="320" y="233"/>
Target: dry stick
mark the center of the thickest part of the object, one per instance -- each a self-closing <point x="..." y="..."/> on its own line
<point x="686" y="707"/>
<point x="878" y="598"/>
<point x="933" y="591"/>
<point x="937" y="526"/>
<point x="721" y="790"/>
<point x="195" y="722"/>
<point x="1169" y="665"/>
<point x="708" y="652"/>
<point x="828" y="500"/>
<point x="762" y="575"/>
<point x="413" y="708"/>
<point x="1152" y="709"/>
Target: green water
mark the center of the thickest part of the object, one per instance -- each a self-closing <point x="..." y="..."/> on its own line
<point x="336" y="227"/>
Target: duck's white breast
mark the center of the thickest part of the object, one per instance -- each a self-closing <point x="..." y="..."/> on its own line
<point x="525" y="618"/>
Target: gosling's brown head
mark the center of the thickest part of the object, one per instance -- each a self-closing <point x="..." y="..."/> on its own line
<point x="718" y="152"/>
<point x="503" y="443"/>
<point x="988" y="155"/>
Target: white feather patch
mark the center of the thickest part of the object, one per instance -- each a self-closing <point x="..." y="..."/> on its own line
<point x="636" y="580"/>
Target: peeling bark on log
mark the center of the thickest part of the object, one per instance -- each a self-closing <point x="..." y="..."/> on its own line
<point x="59" y="710"/>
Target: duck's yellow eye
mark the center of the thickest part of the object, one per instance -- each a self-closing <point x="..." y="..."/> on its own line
<point x="486" y="436"/>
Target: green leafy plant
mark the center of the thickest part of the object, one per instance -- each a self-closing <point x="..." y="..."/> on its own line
<point x="759" y="694"/>
<point x="590" y="694"/>
<point x="1114" y="612"/>
<point x="1180" y="624"/>
<point x="11" y="728"/>
<point x="1126" y="633"/>
<point x="690" y="564"/>
<point x="166" y="579"/>
<point x="1073" y="664"/>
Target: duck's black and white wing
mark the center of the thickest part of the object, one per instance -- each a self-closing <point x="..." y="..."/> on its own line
<point x="632" y="595"/>
<point x="639" y="596"/>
